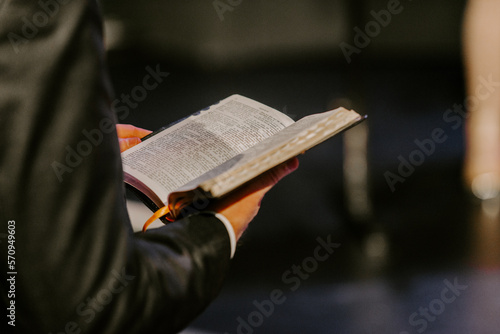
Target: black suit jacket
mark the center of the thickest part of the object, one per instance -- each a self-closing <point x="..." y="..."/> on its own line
<point x="78" y="264"/>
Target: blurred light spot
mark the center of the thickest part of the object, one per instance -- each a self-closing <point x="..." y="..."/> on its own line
<point x="114" y="33"/>
<point x="356" y="172"/>
<point x="491" y="207"/>
<point x="485" y="186"/>
<point x="376" y="245"/>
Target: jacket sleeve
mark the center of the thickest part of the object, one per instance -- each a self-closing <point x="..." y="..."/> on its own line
<point x="79" y="267"/>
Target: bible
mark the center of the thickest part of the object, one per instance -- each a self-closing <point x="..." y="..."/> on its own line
<point x="218" y="149"/>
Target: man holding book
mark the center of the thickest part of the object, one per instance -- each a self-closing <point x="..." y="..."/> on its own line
<point x="77" y="266"/>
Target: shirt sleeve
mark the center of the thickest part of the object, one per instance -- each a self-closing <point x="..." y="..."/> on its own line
<point x="230" y="232"/>
<point x="80" y="268"/>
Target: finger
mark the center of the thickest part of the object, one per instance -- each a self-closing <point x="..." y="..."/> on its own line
<point x="126" y="143"/>
<point x="258" y="187"/>
<point x="282" y="170"/>
<point x="267" y="180"/>
<point x="128" y="131"/>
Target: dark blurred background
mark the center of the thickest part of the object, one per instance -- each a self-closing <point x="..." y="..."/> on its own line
<point x="420" y="256"/>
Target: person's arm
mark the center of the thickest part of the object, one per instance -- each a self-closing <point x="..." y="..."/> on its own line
<point x="78" y="265"/>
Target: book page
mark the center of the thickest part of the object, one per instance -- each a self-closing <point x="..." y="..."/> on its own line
<point x="201" y="142"/>
<point x="295" y="139"/>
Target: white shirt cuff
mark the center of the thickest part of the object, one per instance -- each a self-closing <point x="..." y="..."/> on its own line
<point x="230" y="231"/>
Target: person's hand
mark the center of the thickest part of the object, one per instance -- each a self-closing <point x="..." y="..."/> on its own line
<point x="129" y="135"/>
<point x="241" y="206"/>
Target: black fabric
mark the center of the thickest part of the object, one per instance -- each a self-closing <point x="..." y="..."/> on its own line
<point x="79" y="266"/>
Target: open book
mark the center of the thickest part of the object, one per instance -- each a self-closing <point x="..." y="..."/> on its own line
<point x="218" y="149"/>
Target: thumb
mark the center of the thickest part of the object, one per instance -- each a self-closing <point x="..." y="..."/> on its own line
<point x="282" y="170"/>
<point x="126" y="143"/>
<point x="263" y="183"/>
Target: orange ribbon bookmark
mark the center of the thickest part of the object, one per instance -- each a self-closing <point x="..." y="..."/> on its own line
<point x="170" y="212"/>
